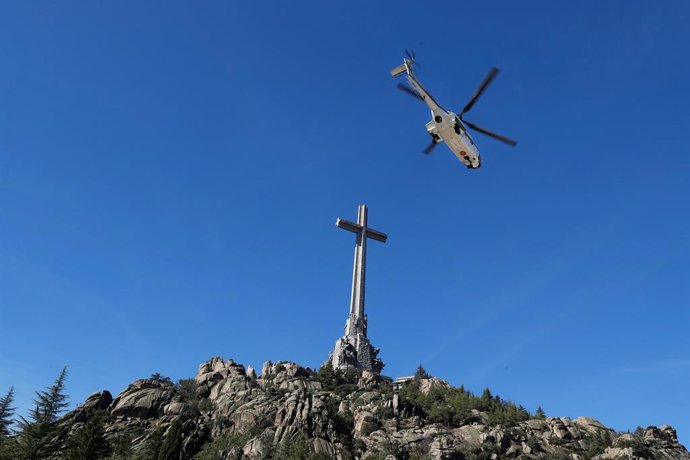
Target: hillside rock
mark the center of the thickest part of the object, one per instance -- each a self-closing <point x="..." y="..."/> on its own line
<point x="230" y="411"/>
<point x="142" y="399"/>
<point x="653" y="443"/>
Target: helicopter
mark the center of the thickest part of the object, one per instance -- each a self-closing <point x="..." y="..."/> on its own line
<point x="446" y="126"/>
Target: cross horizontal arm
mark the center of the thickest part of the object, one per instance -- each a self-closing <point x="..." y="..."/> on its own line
<point x="356" y="228"/>
<point x="376" y="235"/>
<point x="347" y="225"/>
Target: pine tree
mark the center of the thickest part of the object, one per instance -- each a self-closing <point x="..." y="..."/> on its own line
<point x="161" y="378"/>
<point x="487" y="396"/>
<point x="9" y="450"/>
<point x="6" y="412"/>
<point x="487" y="400"/>
<point x="50" y="403"/>
<point x="421" y="373"/>
<point x="37" y="436"/>
<point x="8" y="445"/>
<point x="122" y="447"/>
<point x="152" y="447"/>
<point x="327" y="376"/>
<point x="295" y="449"/>
<point x="89" y="441"/>
<point x="540" y="413"/>
<point x="172" y="442"/>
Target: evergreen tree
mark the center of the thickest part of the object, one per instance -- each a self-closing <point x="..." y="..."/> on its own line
<point x="9" y="450"/>
<point x="327" y="376"/>
<point x="8" y="445"/>
<point x="421" y="373"/>
<point x="172" y="442"/>
<point x="161" y="378"/>
<point x="122" y="447"/>
<point x="442" y="413"/>
<point x="51" y="402"/>
<point x="295" y="449"/>
<point x="540" y="413"/>
<point x="89" y="441"/>
<point x="6" y="412"/>
<point x="230" y="443"/>
<point x="152" y="448"/>
<point x="37" y="438"/>
<point x="597" y="444"/>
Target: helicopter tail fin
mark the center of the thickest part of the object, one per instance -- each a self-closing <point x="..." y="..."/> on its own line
<point x="401" y="69"/>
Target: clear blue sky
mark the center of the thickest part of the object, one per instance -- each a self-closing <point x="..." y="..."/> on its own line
<point x="171" y="172"/>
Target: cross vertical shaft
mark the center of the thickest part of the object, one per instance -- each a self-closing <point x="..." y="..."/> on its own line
<point x="360" y="265"/>
<point x="356" y="323"/>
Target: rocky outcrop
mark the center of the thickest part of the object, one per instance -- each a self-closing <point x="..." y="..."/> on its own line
<point x="653" y="443"/>
<point x="144" y="398"/>
<point x="95" y="402"/>
<point x="351" y="417"/>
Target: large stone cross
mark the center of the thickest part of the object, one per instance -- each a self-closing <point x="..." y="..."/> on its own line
<point x="356" y="323"/>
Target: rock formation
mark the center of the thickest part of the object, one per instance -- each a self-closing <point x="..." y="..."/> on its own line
<point x="227" y="412"/>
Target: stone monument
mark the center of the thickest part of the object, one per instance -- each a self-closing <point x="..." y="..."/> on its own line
<point x="354" y="350"/>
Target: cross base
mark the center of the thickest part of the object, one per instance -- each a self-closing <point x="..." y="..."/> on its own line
<point x="356" y="352"/>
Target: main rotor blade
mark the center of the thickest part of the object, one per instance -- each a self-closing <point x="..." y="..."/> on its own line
<point x="507" y="140"/>
<point x="430" y="147"/>
<point x="478" y="92"/>
<point x="409" y="91"/>
<point x="410" y="54"/>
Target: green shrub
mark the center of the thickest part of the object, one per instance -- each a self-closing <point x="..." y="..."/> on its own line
<point x="161" y="378"/>
<point x="597" y="444"/>
<point x="639" y="448"/>
<point x="384" y="412"/>
<point x="344" y="423"/>
<point x="205" y="405"/>
<point x="345" y="389"/>
<point x="231" y="444"/>
<point x="454" y="406"/>
<point x="122" y="447"/>
<point x="299" y="448"/>
<point x="327" y="376"/>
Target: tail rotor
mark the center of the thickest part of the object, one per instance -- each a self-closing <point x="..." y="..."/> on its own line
<point x="411" y="58"/>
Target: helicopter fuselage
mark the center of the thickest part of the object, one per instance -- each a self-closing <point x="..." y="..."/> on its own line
<point x="446" y="126"/>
